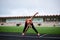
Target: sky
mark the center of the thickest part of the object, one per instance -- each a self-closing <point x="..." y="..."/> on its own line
<point x="29" y="7"/>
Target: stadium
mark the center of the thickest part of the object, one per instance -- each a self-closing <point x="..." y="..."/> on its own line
<point x="48" y="20"/>
<point x="16" y="17"/>
<point x="46" y="26"/>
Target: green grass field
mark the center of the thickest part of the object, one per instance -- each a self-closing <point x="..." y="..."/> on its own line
<point x="41" y="30"/>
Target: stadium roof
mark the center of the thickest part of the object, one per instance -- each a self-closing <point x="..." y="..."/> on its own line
<point x="30" y="16"/>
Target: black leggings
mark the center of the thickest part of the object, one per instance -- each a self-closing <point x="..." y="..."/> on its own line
<point x="26" y="28"/>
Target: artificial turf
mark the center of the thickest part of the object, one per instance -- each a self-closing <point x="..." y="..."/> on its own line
<point x="41" y="30"/>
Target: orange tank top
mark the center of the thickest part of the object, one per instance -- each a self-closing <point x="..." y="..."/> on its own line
<point x="29" y="21"/>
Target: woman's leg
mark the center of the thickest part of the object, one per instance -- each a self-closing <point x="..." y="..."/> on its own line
<point x="24" y="28"/>
<point x="35" y="29"/>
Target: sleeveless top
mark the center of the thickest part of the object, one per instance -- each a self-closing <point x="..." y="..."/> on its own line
<point x="29" y="21"/>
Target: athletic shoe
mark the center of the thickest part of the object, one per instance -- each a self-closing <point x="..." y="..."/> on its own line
<point x="23" y="34"/>
<point x="38" y="34"/>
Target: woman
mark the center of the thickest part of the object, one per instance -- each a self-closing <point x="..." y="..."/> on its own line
<point x="29" y="23"/>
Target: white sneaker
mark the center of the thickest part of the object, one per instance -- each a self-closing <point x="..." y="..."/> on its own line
<point x="38" y="34"/>
<point x="23" y="34"/>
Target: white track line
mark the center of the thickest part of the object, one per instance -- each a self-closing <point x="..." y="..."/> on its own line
<point x="25" y="36"/>
<point x="52" y="37"/>
<point x="43" y="35"/>
<point x="20" y="36"/>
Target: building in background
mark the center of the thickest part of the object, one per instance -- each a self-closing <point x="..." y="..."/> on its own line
<point x="48" y="20"/>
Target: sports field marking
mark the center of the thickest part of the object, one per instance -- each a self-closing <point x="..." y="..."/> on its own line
<point x="18" y="35"/>
<point x="43" y="35"/>
<point x="52" y="37"/>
